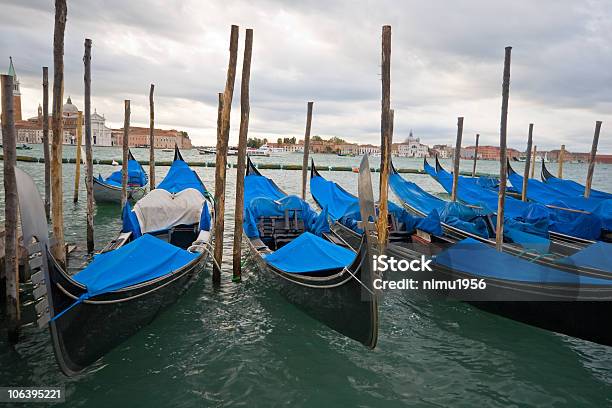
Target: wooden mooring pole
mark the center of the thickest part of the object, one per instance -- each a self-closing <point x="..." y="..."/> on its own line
<point x="11" y="263"/>
<point x="126" y="147"/>
<point x="503" y="172"/>
<point x="241" y="168"/>
<point x="57" y="194"/>
<point x="88" y="147"/>
<point x="534" y="160"/>
<point x="561" y="160"/>
<point x="45" y="144"/>
<point x="306" y="148"/>
<point x="221" y="157"/>
<point x="457" y="158"/>
<point x="475" y="156"/>
<point x="77" y="170"/>
<point x="527" y="163"/>
<point x="151" y="139"/>
<point x="385" y="135"/>
<point x="591" y="170"/>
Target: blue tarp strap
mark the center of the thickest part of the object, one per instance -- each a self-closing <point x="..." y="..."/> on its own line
<point x="76" y="302"/>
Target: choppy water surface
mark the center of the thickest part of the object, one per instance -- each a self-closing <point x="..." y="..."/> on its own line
<point x="244" y="345"/>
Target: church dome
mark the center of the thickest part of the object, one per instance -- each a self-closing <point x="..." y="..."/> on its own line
<point x="69" y="108"/>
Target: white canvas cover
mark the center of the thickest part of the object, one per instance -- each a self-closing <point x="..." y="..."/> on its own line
<point x="161" y="209"/>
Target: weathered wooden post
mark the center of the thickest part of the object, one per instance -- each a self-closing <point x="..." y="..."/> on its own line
<point x="151" y="139"/>
<point x="561" y="159"/>
<point x="306" y="148"/>
<point x="457" y="158"/>
<point x="385" y="134"/>
<point x="88" y="147"/>
<point x="499" y="239"/>
<point x="534" y="160"/>
<point x="241" y="167"/>
<point x="475" y="156"/>
<point x="527" y="163"/>
<point x="221" y="157"/>
<point x="126" y="147"/>
<point x="77" y="170"/>
<point x="45" y="128"/>
<point x="589" y="180"/>
<point x="57" y="193"/>
<point x="11" y="263"/>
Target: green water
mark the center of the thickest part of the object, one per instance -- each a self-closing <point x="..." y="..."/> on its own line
<point x="244" y="345"/>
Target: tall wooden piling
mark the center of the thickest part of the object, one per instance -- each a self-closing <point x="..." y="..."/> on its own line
<point x="503" y="173"/>
<point x="126" y="147"/>
<point x="534" y="160"/>
<point x="221" y="157"/>
<point x="11" y="265"/>
<point x="385" y="134"/>
<point x="561" y="160"/>
<point x="475" y="156"/>
<point x="527" y="163"/>
<point x="57" y="193"/>
<point x="592" y="156"/>
<point x="88" y="147"/>
<point x="151" y="139"/>
<point x="242" y="141"/>
<point x="77" y="170"/>
<point x="457" y="158"/>
<point x="306" y="148"/>
<point x="45" y="142"/>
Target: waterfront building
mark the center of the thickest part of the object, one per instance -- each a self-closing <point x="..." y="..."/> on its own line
<point x="163" y="139"/>
<point x="411" y="147"/>
<point x="369" y="149"/>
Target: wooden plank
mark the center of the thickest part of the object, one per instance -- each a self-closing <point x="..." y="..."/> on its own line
<point x="77" y="170"/>
<point x="503" y="173"/>
<point x="475" y="156"/>
<point x="527" y="163"/>
<point x="457" y="158"/>
<point x="57" y="193"/>
<point x="88" y="148"/>
<point x="241" y="167"/>
<point x="11" y="263"/>
<point x="126" y="147"/>
<point x="591" y="170"/>
<point x="561" y="160"/>
<point x="534" y="160"/>
<point x="221" y="156"/>
<point x="306" y="148"/>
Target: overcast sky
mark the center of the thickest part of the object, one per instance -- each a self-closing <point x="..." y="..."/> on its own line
<point x="447" y="59"/>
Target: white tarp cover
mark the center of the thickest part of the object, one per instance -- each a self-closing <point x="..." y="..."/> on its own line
<point x="160" y="210"/>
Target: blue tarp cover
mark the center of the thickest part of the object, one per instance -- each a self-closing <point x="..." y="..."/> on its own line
<point x="309" y="253"/>
<point x="585" y="226"/>
<point x="260" y="186"/>
<point x="136" y="176"/>
<point x="571" y="188"/>
<point x="344" y="207"/>
<point x="597" y="255"/>
<point x="472" y="257"/>
<point x="181" y="176"/>
<point x="132" y="264"/>
<point x="543" y="193"/>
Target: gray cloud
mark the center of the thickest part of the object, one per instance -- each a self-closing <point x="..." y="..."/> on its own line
<point x="446" y="62"/>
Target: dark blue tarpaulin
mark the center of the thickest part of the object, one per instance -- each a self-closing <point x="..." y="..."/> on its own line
<point x="136" y="176"/>
<point x="571" y="188"/>
<point x="180" y="177"/>
<point x="475" y="258"/>
<point x="310" y="254"/>
<point x="139" y="261"/>
<point x="597" y="256"/>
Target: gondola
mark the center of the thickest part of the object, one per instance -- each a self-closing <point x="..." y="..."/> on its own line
<point x="514" y="288"/>
<point x="456" y="222"/>
<point x="108" y="190"/>
<point x="328" y="281"/>
<point x="598" y="208"/>
<point x="163" y="245"/>
<point x="570" y="187"/>
<point x="562" y="226"/>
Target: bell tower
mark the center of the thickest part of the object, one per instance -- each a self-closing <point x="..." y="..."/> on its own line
<point x="16" y="91"/>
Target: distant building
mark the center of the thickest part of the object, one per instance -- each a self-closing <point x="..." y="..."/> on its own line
<point x="411" y="147"/>
<point x="16" y="92"/>
<point x="369" y="149"/>
<point x="347" y="149"/>
<point x="163" y="139"/>
<point x="442" y="151"/>
<point x="488" y="152"/>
